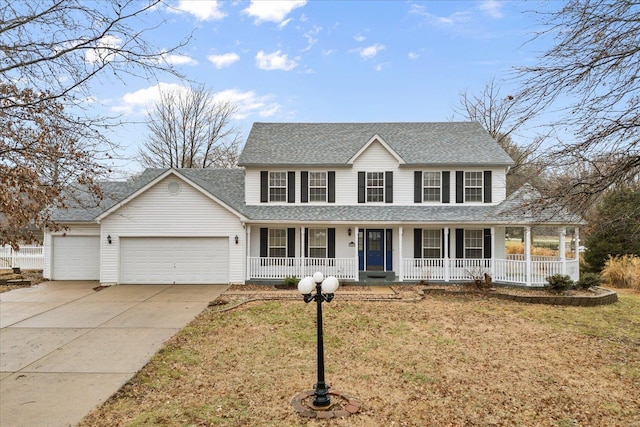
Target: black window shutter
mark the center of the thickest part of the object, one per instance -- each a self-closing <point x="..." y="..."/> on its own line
<point x="264" y="186"/>
<point x="304" y="186"/>
<point x="291" y="187"/>
<point x="459" y="243"/>
<point x="306" y="242"/>
<point x="361" y="187"/>
<point x="331" y="184"/>
<point x="331" y="243"/>
<point x="291" y="242"/>
<point x="459" y="186"/>
<point x="446" y="183"/>
<point x="417" y="243"/>
<point x="388" y="187"/>
<point x="487" y="186"/>
<point x="264" y="242"/>
<point x="487" y="243"/>
<point x="417" y="187"/>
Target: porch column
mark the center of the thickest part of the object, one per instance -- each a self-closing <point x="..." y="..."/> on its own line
<point x="303" y="244"/>
<point x="527" y="255"/>
<point x="576" y="236"/>
<point x="355" y="254"/>
<point x="446" y="254"/>
<point x="401" y="259"/>
<point x="493" y="250"/>
<point x="561" y="248"/>
<point x="248" y="242"/>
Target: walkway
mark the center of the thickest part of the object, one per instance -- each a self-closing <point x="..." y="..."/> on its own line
<point x="65" y="348"/>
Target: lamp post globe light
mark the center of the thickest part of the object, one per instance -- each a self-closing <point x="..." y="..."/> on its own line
<point x="325" y="287"/>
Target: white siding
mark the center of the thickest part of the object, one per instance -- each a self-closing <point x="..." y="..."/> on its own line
<point x="158" y="213"/>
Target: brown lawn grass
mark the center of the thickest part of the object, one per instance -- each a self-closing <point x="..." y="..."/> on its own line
<point x="443" y="361"/>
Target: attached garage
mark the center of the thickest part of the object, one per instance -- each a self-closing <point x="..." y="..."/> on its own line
<point x="174" y="260"/>
<point x="76" y="258"/>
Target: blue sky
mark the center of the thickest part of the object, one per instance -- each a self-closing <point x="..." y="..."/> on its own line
<point x="332" y="61"/>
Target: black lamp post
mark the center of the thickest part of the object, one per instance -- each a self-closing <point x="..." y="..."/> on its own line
<point x="328" y="286"/>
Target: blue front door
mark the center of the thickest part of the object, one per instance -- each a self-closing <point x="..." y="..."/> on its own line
<point x="375" y="249"/>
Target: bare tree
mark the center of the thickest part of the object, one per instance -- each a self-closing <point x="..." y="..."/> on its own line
<point x="589" y="81"/>
<point x="189" y="129"/>
<point x="51" y="51"/>
<point x="502" y="116"/>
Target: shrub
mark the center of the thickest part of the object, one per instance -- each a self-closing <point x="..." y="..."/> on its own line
<point x="291" y="281"/>
<point x="559" y="283"/>
<point x="589" y="280"/>
<point x="622" y="272"/>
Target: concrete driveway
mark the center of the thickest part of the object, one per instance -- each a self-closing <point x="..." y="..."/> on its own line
<point x="65" y="347"/>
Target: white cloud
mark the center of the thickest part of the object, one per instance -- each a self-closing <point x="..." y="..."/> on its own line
<point x="359" y="38"/>
<point x="140" y="101"/>
<point x="248" y="103"/>
<point x="272" y="10"/>
<point x="203" y="10"/>
<point x="180" y="60"/>
<point x="105" y="51"/>
<point x="492" y="8"/>
<point x="382" y="66"/>
<point x="453" y="19"/>
<point x="310" y="36"/>
<point x="371" y="51"/>
<point x="413" y="55"/>
<point x="224" y="60"/>
<point x="274" y="61"/>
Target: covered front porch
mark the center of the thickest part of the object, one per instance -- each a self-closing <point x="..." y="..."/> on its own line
<point x="369" y="254"/>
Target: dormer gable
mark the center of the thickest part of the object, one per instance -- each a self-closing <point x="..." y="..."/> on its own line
<point x="376" y="139"/>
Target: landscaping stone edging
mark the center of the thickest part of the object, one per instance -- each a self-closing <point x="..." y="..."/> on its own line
<point x="608" y="297"/>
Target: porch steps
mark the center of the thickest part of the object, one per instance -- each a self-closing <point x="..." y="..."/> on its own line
<point x="377" y="276"/>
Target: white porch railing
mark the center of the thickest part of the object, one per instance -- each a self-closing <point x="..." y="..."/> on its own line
<point x="500" y="270"/>
<point x="279" y="268"/>
<point x="27" y="258"/>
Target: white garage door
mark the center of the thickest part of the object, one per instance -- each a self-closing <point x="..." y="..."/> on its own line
<point x="76" y="258"/>
<point x="174" y="260"/>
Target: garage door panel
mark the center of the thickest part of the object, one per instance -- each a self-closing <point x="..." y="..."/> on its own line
<point x="76" y="258"/>
<point x="169" y="260"/>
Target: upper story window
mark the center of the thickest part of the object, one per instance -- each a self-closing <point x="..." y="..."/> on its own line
<point x="317" y="186"/>
<point x="473" y="240"/>
<point x="431" y="186"/>
<point x="277" y="186"/>
<point x="375" y="186"/>
<point x="317" y="243"/>
<point x="473" y="186"/>
<point x="431" y="243"/>
<point x="277" y="242"/>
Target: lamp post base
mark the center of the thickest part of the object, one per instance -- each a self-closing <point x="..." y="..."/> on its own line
<point x="341" y="405"/>
<point x="321" y="395"/>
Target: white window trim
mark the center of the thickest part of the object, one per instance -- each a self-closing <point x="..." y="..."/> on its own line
<point x="325" y="186"/>
<point x="424" y="238"/>
<point x="369" y="187"/>
<point x="467" y="248"/>
<point x="424" y="186"/>
<point x="469" y="187"/>
<point x="326" y="242"/>
<point x="278" y="187"/>
<point x="271" y="245"/>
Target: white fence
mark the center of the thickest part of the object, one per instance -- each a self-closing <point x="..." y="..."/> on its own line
<point x="279" y="268"/>
<point x="27" y="258"/>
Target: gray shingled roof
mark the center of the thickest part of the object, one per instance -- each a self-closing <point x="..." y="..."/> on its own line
<point x="445" y="143"/>
<point x="228" y="186"/>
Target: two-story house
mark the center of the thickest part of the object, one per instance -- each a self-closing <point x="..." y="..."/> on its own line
<point x="400" y="202"/>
